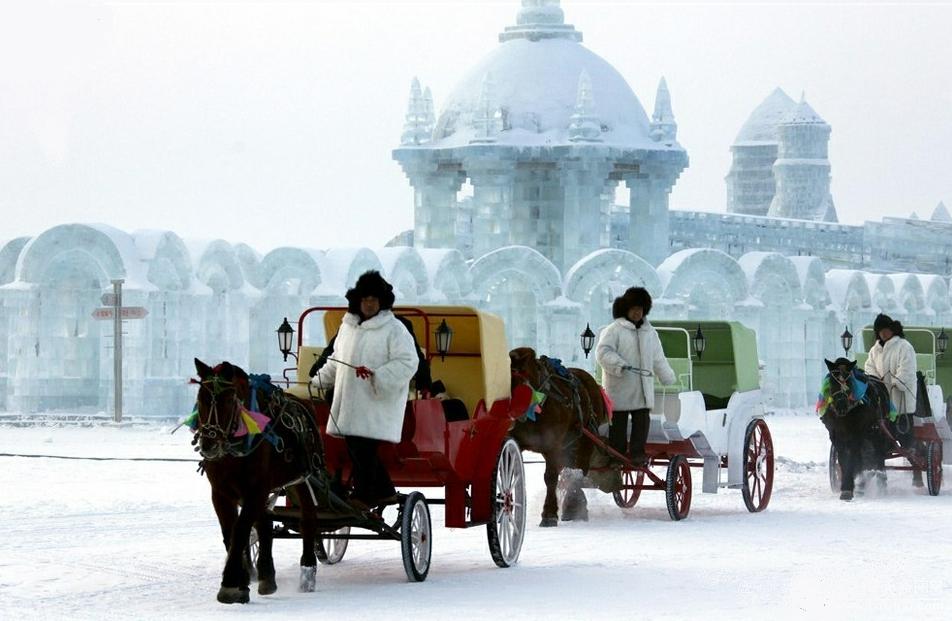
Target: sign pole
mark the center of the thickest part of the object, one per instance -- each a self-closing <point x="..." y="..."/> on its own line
<point x="117" y="346"/>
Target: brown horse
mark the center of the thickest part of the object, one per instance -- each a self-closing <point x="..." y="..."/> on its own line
<point x="244" y="470"/>
<point x="571" y="401"/>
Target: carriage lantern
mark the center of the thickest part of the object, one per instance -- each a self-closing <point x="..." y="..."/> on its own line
<point x="942" y="341"/>
<point x="588" y="339"/>
<point x="846" y="339"/>
<point x="444" y="336"/>
<point x="700" y="342"/>
<point x="285" y="338"/>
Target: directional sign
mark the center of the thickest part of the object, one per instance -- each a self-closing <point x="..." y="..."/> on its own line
<point x="126" y="312"/>
<point x="108" y="299"/>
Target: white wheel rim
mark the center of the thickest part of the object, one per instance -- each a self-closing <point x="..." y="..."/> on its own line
<point x="420" y="540"/>
<point x="335" y="548"/>
<point x="510" y="502"/>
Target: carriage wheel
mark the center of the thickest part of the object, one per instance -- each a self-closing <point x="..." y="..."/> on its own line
<point x="677" y="488"/>
<point x="758" y="466"/>
<point x="934" y="467"/>
<point x="507" y="527"/>
<point x="331" y="551"/>
<point x="416" y="532"/>
<point x="251" y="554"/>
<point x="836" y="471"/>
<point x="631" y="481"/>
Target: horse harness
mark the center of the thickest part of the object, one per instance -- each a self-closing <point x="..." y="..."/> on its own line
<point x="553" y="378"/>
<point x="281" y="410"/>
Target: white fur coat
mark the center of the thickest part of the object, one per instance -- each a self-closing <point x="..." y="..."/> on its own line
<point x="621" y="344"/>
<point x="369" y="408"/>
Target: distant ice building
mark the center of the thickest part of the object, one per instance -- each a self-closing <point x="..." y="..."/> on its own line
<point x="543" y="129"/>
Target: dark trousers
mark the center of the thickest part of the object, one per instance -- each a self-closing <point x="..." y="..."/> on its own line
<point x="633" y="446"/>
<point x="371" y="481"/>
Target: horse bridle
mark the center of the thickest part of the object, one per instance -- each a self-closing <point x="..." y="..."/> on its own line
<point x="211" y="429"/>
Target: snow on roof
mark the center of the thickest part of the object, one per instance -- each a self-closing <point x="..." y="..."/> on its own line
<point x="848" y="289"/>
<point x="114" y="252"/>
<point x="802" y="114"/>
<point x="761" y="125"/>
<point x="535" y="86"/>
<point x="9" y="254"/>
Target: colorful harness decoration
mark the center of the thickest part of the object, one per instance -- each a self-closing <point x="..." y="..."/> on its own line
<point x="859" y="394"/>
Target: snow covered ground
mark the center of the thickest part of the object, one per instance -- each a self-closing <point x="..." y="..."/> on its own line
<point x="139" y="540"/>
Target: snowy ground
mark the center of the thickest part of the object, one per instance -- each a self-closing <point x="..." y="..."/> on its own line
<point x="139" y="540"/>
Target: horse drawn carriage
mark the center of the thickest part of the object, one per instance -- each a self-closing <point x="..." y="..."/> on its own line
<point x="458" y="443"/>
<point x="931" y="424"/>
<point x="711" y="418"/>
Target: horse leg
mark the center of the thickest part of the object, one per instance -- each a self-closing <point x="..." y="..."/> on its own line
<point x="265" y="565"/>
<point x="308" y="536"/>
<point x="574" y="505"/>
<point x="234" y="580"/>
<point x="847" y="454"/>
<point x="553" y="466"/>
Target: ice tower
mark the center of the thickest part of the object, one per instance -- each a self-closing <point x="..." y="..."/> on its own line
<point x="802" y="169"/>
<point x="544" y="130"/>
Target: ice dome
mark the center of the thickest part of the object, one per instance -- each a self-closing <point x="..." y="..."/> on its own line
<point x="531" y="83"/>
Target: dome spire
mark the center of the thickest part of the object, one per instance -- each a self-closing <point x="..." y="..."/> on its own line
<point x="585" y="126"/>
<point x="540" y="19"/>
<point x="663" y="126"/>
<point x="417" y="128"/>
<point x="487" y="120"/>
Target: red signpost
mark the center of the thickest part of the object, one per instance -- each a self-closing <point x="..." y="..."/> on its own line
<point x="114" y="310"/>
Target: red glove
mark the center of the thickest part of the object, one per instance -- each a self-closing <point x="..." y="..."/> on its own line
<point x="363" y="372"/>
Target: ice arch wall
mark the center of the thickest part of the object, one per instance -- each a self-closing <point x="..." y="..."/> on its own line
<point x="217" y="300"/>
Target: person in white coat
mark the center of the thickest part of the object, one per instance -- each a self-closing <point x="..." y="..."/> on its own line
<point x="374" y="359"/>
<point x="892" y="359"/>
<point x="630" y="354"/>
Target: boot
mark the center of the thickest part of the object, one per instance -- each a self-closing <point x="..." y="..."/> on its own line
<point x="640" y="422"/>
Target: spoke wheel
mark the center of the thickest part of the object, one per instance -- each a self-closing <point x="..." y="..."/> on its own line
<point x="416" y="537"/>
<point x="836" y="471"/>
<point x="677" y="488"/>
<point x="631" y="482"/>
<point x="251" y="554"/>
<point x="758" y="466"/>
<point x="934" y="467"/>
<point x="506" y="530"/>
<point x="331" y="551"/>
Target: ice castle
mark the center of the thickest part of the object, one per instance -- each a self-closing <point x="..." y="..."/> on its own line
<point x="513" y="189"/>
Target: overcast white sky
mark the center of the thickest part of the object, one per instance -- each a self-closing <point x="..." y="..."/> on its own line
<point x="272" y="123"/>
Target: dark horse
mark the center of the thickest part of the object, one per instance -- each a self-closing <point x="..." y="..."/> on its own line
<point x="854" y="424"/>
<point x="244" y="470"/>
<point x="571" y="401"/>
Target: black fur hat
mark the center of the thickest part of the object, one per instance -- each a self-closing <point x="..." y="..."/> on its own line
<point x="633" y="296"/>
<point x="370" y="284"/>
<point x="882" y="322"/>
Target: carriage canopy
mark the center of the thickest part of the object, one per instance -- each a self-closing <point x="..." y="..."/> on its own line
<point x="729" y="363"/>
<point x="474" y="369"/>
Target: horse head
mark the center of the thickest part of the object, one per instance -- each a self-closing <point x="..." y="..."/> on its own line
<point x="523" y="366"/>
<point x="841" y="388"/>
<point x="221" y="392"/>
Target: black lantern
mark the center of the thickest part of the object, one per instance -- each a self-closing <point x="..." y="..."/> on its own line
<point x="942" y="341"/>
<point x="700" y="343"/>
<point x="588" y="340"/>
<point x="285" y="338"/>
<point x="444" y="336"/>
<point x="846" y="340"/>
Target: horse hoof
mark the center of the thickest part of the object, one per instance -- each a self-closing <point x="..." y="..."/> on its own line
<point x="575" y="517"/>
<point x="267" y="586"/>
<point x="308" y="579"/>
<point x="233" y="595"/>
<point x="549" y="521"/>
<point x="847" y="496"/>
